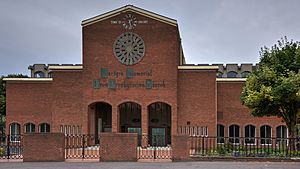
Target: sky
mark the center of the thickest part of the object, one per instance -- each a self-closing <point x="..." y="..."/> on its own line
<point x="212" y="31"/>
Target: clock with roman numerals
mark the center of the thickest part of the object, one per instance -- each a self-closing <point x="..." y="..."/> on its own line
<point x="129" y="48"/>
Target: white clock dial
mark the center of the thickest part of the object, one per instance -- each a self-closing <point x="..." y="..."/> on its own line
<point x="129" y="21"/>
<point x="129" y="48"/>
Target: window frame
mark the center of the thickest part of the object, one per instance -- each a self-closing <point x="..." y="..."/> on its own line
<point x="234" y="137"/>
<point x="220" y="139"/>
<point x="45" y="124"/>
<point x="265" y="138"/>
<point x="236" y="74"/>
<point x="250" y="137"/>
<point x="30" y="126"/>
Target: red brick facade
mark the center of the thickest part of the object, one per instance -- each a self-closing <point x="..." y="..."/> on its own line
<point x="67" y="100"/>
<point x="44" y="147"/>
<point x="113" y="147"/>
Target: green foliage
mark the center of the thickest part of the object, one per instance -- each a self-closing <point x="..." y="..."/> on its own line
<point x="274" y="88"/>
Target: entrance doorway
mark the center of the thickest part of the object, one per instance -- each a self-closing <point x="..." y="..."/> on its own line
<point x="100" y="119"/>
<point x="130" y="118"/>
<point x="159" y="124"/>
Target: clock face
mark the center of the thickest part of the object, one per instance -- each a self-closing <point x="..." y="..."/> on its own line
<point x="129" y="21"/>
<point x="129" y="48"/>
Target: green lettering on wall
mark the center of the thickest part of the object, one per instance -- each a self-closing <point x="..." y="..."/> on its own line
<point x="96" y="84"/>
<point x="104" y="73"/>
<point x="149" y="84"/>
<point x="111" y="83"/>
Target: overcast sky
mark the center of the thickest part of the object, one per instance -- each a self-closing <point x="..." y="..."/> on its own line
<point x="212" y="31"/>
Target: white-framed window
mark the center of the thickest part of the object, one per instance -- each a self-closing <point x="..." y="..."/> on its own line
<point x="250" y="134"/>
<point x="220" y="133"/>
<point x="265" y="134"/>
<point x="234" y="134"/>
<point x="14" y="131"/>
<point x="44" y="128"/>
<point x="29" y="128"/>
<point x="281" y="134"/>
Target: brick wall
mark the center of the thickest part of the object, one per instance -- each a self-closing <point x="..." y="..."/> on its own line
<point x="118" y="147"/>
<point x="44" y="147"/>
<point x="28" y="102"/>
<point x="233" y="112"/>
<point x="197" y="99"/>
<point x="180" y="148"/>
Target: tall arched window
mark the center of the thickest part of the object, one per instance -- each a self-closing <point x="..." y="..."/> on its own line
<point x="14" y="131"/>
<point x="29" y="128"/>
<point x="281" y="134"/>
<point x="232" y="74"/>
<point x="39" y="74"/>
<point x="234" y="134"/>
<point x="250" y="134"/>
<point x="220" y="133"/>
<point x="265" y="134"/>
<point x="44" y="128"/>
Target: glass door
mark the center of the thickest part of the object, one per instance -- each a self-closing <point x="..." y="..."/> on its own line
<point x="158" y="137"/>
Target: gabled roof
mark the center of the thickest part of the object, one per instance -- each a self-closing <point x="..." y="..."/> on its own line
<point x="129" y="8"/>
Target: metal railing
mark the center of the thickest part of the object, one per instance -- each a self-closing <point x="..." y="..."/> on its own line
<point x="244" y="147"/>
<point x="11" y="147"/>
<point x="82" y="147"/>
<point x="154" y="147"/>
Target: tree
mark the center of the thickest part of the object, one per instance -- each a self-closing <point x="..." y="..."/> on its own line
<point x="273" y="89"/>
<point x="3" y="98"/>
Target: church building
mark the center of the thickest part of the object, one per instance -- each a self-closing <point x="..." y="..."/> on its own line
<point x="134" y="79"/>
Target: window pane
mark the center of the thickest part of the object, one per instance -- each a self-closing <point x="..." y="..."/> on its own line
<point x="220" y="133"/>
<point x="231" y="74"/>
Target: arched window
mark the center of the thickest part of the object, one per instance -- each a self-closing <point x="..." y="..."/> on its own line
<point x="250" y="134"/>
<point x="281" y="134"/>
<point x="231" y="74"/>
<point x="220" y="133"/>
<point x="234" y="134"/>
<point x="14" y="131"/>
<point x="29" y="128"/>
<point x="219" y="74"/>
<point x="265" y="134"/>
<point x="245" y="74"/>
<point x="39" y="74"/>
<point x="44" y="128"/>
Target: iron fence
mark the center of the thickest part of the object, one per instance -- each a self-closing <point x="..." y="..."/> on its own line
<point x="11" y="147"/>
<point x="82" y="147"/>
<point x="154" y="147"/>
<point x="244" y="147"/>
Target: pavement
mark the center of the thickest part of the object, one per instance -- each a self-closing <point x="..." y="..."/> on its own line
<point x="151" y="165"/>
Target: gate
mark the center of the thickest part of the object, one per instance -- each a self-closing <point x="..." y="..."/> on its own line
<point x="151" y="148"/>
<point x="11" y="147"/>
<point x="82" y="147"/>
